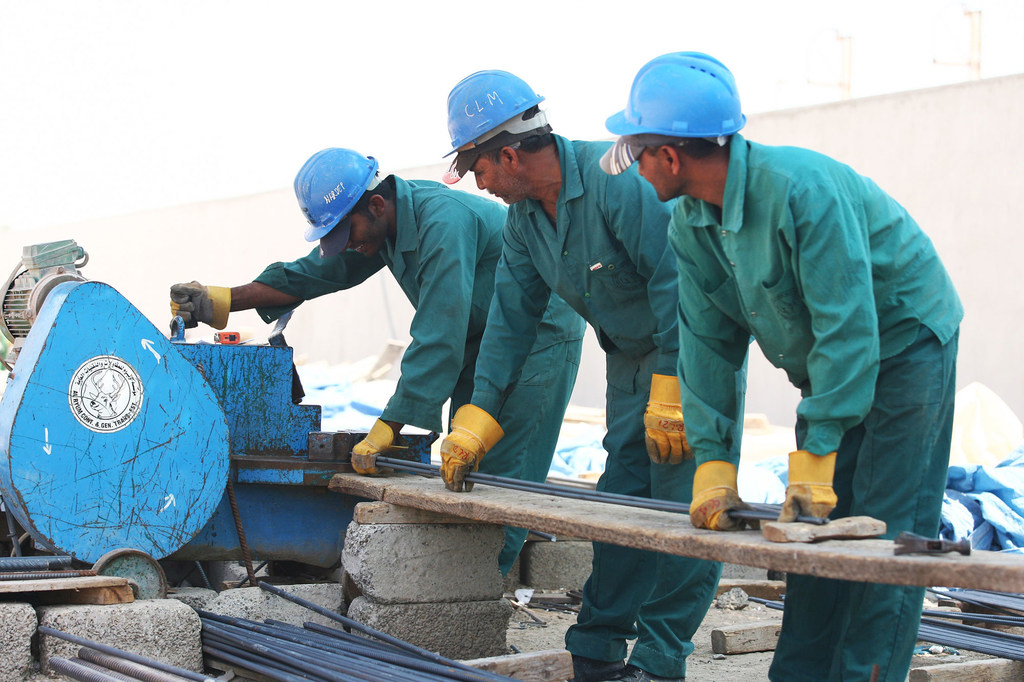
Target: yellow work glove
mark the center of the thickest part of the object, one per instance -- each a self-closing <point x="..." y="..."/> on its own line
<point x="364" y="454"/>
<point x="195" y="303"/>
<point x="473" y="433"/>
<point x="666" y="435"/>
<point x="810" y="486"/>
<point x="714" y="493"/>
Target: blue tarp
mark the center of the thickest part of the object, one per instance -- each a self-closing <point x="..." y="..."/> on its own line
<point x="986" y="504"/>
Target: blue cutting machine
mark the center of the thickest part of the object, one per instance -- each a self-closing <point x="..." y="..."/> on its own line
<point x="115" y="436"/>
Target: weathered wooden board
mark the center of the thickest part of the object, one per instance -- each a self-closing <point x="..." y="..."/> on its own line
<point x="995" y="670"/>
<point x="538" y="666"/>
<point x="100" y="589"/>
<point x="863" y="560"/>
<point x="746" y="638"/>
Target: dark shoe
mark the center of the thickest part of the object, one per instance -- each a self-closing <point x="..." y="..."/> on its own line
<point x="592" y="670"/>
<point x="635" y="674"/>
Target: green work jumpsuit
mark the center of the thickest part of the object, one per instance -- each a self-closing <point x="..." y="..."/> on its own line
<point x="607" y="256"/>
<point x="843" y="291"/>
<point x="444" y="255"/>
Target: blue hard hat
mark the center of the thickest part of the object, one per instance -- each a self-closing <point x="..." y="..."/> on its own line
<point x="329" y="184"/>
<point x="681" y="94"/>
<point x="483" y="101"/>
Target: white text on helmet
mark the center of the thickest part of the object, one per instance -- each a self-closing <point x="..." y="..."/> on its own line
<point x="492" y="97"/>
<point x="334" y="193"/>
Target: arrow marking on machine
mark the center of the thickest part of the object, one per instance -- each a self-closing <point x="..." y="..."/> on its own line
<point x="47" y="448"/>
<point x="170" y="502"/>
<point x="148" y="345"/>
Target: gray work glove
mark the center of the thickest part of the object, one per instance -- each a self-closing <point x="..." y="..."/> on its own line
<point x="195" y="303"/>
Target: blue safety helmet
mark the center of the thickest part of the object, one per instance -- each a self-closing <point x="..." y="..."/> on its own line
<point x="484" y="100"/>
<point x="681" y="94"/>
<point x="328" y="185"/>
<point x="489" y="110"/>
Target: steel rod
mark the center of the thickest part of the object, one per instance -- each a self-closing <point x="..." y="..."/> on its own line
<point x="356" y="625"/>
<point x="262" y="668"/>
<point x="104" y="670"/>
<point x="81" y="641"/>
<point x="35" y="563"/>
<point x="77" y="671"/>
<point x="45" y="575"/>
<point x="306" y="638"/>
<point x="126" y="667"/>
<point x="755" y="513"/>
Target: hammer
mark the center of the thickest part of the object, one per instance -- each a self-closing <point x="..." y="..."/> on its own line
<point x="912" y="543"/>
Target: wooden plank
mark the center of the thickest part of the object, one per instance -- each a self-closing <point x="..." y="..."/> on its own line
<point x="850" y="528"/>
<point x="993" y="670"/>
<point x="99" y="589"/>
<point x="746" y="638"/>
<point x="862" y="560"/>
<point x="382" y="512"/>
<point x="762" y="589"/>
<point x="536" y="666"/>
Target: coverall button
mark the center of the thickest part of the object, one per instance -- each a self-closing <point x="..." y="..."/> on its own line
<point x="586" y="295"/>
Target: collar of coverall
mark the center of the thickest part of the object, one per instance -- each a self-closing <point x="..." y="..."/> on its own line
<point x="505" y="135"/>
<point x="335" y="241"/>
<point x="628" y="148"/>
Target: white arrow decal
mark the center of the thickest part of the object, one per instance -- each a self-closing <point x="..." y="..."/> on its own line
<point x="148" y="345"/>
<point x="47" y="448"/>
<point x="170" y="503"/>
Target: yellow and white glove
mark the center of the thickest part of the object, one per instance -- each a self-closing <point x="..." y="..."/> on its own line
<point x="195" y="303"/>
<point x="714" y="494"/>
<point x="473" y="433"/>
<point x="810" y="486"/>
<point x="364" y="454"/>
<point x="663" y="420"/>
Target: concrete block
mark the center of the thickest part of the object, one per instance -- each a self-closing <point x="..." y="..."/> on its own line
<point x="460" y="630"/>
<point x="19" y="625"/>
<point x="416" y="563"/>
<point x="162" y="629"/>
<point x="256" y="604"/>
<point x="513" y="580"/>
<point x="196" y="597"/>
<point x="562" y="565"/>
<point x="744" y="572"/>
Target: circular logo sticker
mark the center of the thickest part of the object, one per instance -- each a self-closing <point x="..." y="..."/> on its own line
<point x="105" y="394"/>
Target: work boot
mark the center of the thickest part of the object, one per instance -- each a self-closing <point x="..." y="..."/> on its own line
<point x="634" y="674"/>
<point x="592" y="670"/>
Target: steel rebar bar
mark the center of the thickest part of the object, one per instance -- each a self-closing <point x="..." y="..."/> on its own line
<point x="35" y="563"/>
<point x="348" y="622"/>
<point x="81" y="641"/>
<point x="77" y="671"/>
<point x="760" y="512"/>
<point x="126" y="667"/>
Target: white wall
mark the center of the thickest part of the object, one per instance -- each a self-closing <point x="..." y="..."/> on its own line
<point x="954" y="156"/>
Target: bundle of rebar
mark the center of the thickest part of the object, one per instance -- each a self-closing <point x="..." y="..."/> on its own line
<point x="756" y="512"/>
<point x="286" y="652"/>
<point x="958" y="635"/>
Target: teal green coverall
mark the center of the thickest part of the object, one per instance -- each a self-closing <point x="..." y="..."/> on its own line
<point x="843" y="291"/>
<point x="444" y="256"/>
<point x="607" y="256"/>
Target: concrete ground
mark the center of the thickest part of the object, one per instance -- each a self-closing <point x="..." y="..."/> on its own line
<point x="703" y="664"/>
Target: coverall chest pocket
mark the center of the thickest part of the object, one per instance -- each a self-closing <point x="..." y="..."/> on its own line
<point x="616" y="276"/>
<point x="786" y="301"/>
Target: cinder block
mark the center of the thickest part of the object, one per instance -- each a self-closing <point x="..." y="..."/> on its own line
<point x="460" y="630"/>
<point x="19" y="624"/>
<point x="562" y="565"/>
<point x="256" y="604"/>
<point x="162" y="629"/>
<point x="196" y="597"/>
<point x="424" y="563"/>
<point x="739" y="571"/>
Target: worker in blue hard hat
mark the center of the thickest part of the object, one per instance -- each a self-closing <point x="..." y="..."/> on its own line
<point x="442" y="246"/>
<point x="843" y="291"/>
<point x="599" y="243"/>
